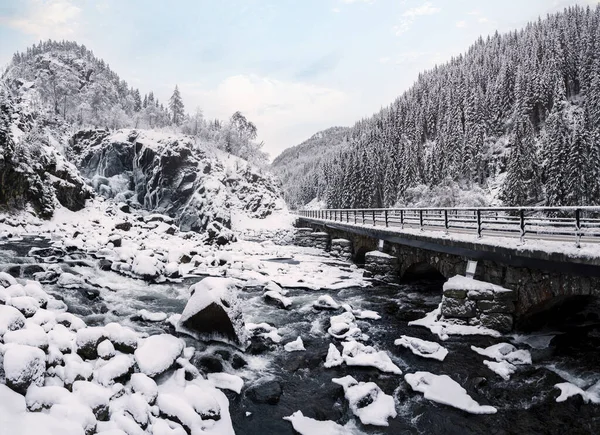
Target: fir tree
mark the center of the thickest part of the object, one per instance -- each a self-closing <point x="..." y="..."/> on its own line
<point x="176" y="107"/>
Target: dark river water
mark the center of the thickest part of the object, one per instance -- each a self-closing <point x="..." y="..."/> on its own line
<point x="526" y="403"/>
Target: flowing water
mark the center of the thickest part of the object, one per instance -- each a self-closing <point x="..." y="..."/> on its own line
<point x="526" y="403"/>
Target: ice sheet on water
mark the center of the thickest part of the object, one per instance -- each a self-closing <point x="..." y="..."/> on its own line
<point x="443" y="328"/>
<point x="443" y="389"/>
<point x="426" y="349"/>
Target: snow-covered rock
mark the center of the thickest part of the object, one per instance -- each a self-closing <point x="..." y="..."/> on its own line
<point x="444" y="390"/>
<point x="214" y="312"/>
<point x="11" y="319"/>
<point x="357" y="354"/>
<point x="426" y="349"/>
<point x="118" y="367"/>
<point x="277" y="299"/>
<point x="334" y="357"/>
<point x="144" y="385"/>
<point x="158" y="353"/>
<point x="309" y="426"/>
<point x="295" y="345"/>
<point x="367" y="401"/>
<point x="24" y="366"/>
<point x="505" y="352"/>
<point x="326" y="302"/>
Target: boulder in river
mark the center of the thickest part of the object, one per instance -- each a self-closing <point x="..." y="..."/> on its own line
<point x="213" y="312"/>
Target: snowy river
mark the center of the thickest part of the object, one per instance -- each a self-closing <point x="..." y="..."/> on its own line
<point x="278" y="383"/>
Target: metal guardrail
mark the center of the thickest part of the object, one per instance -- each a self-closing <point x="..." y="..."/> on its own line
<point x="542" y="223"/>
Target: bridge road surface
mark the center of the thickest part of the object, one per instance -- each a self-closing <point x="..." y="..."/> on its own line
<point x="544" y="236"/>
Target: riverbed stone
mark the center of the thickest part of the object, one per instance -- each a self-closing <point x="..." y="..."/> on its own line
<point x="460" y="308"/>
<point x="266" y="392"/>
<point x="499" y="321"/>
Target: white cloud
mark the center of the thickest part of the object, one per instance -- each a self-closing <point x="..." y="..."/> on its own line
<point x="276" y="107"/>
<point x="474" y="12"/>
<point x="47" y="19"/>
<point x="384" y="59"/>
<point x="483" y="20"/>
<point x="409" y="16"/>
<point x="335" y="10"/>
<point x="462" y="23"/>
<point x="357" y="1"/>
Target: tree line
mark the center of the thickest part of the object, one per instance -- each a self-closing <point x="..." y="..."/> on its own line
<point x="517" y="117"/>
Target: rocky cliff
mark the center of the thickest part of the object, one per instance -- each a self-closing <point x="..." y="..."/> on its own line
<point x="174" y="175"/>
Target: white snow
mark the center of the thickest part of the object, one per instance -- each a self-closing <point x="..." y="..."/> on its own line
<point x="24" y="364"/>
<point x="152" y="317"/>
<point x="444" y="328"/>
<point x="157" y="353"/>
<point x="505" y="352"/>
<point x="114" y="368"/>
<point x="145" y="385"/>
<point x="106" y="350"/>
<point x="334" y="357"/>
<point x="308" y="426"/>
<point x="443" y="389"/>
<point x="226" y="381"/>
<point x="426" y="349"/>
<point x="295" y="345"/>
<point x="10" y="319"/>
<point x="326" y="302"/>
<point x="381" y="406"/>
<point x="284" y="301"/>
<point x="357" y="354"/>
<point x="504" y="369"/>
<point x="32" y="335"/>
<point x="567" y="389"/>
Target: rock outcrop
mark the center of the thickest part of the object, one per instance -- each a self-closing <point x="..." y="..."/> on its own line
<point x="176" y="176"/>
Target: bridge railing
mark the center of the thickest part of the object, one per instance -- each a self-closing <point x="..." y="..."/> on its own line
<point x="546" y="223"/>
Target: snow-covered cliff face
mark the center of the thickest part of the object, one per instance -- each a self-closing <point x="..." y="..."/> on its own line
<point x="172" y="174"/>
<point x="33" y="172"/>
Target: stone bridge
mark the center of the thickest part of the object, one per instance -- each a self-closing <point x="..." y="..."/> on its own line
<point x="542" y="279"/>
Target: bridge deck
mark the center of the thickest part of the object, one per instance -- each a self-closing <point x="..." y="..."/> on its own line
<point x="552" y="252"/>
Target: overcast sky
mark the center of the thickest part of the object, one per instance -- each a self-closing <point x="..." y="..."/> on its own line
<point x="293" y="67"/>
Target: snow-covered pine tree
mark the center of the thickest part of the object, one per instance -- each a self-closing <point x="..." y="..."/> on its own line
<point x="176" y="107"/>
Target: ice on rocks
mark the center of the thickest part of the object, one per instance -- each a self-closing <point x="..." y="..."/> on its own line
<point x="214" y="312"/>
<point x="443" y="389"/>
<point x="504" y="369"/>
<point x="226" y="381"/>
<point x="326" y="302"/>
<point x="308" y="426"/>
<point x="32" y="335"/>
<point x="505" y="352"/>
<point x="357" y="354"/>
<point x="106" y="350"/>
<point x="11" y="319"/>
<point x="295" y="345"/>
<point x="115" y="368"/>
<point x="94" y="396"/>
<point x="71" y="321"/>
<point x="444" y="328"/>
<point x="151" y="317"/>
<point x="24" y="366"/>
<point x="6" y="280"/>
<point x="426" y="349"/>
<point x="145" y="385"/>
<point x="146" y="266"/>
<point x="61" y="337"/>
<point x="124" y="339"/>
<point x="367" y="401"/>
<point x="277" y="298"/>
<point x="334" y="357"/>
<point x="87" y="340"/>
<point x="25" y="304"/>
<point x="158" y="353"/>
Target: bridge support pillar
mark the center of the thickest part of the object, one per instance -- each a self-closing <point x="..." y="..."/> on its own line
<point x="473" y="302"/>
<point x="381" y="265"/>
<point x="314" y="239"/>
<point x="341" y="248"/>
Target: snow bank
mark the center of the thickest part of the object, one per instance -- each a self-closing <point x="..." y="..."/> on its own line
<point x="308" y="426"/>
